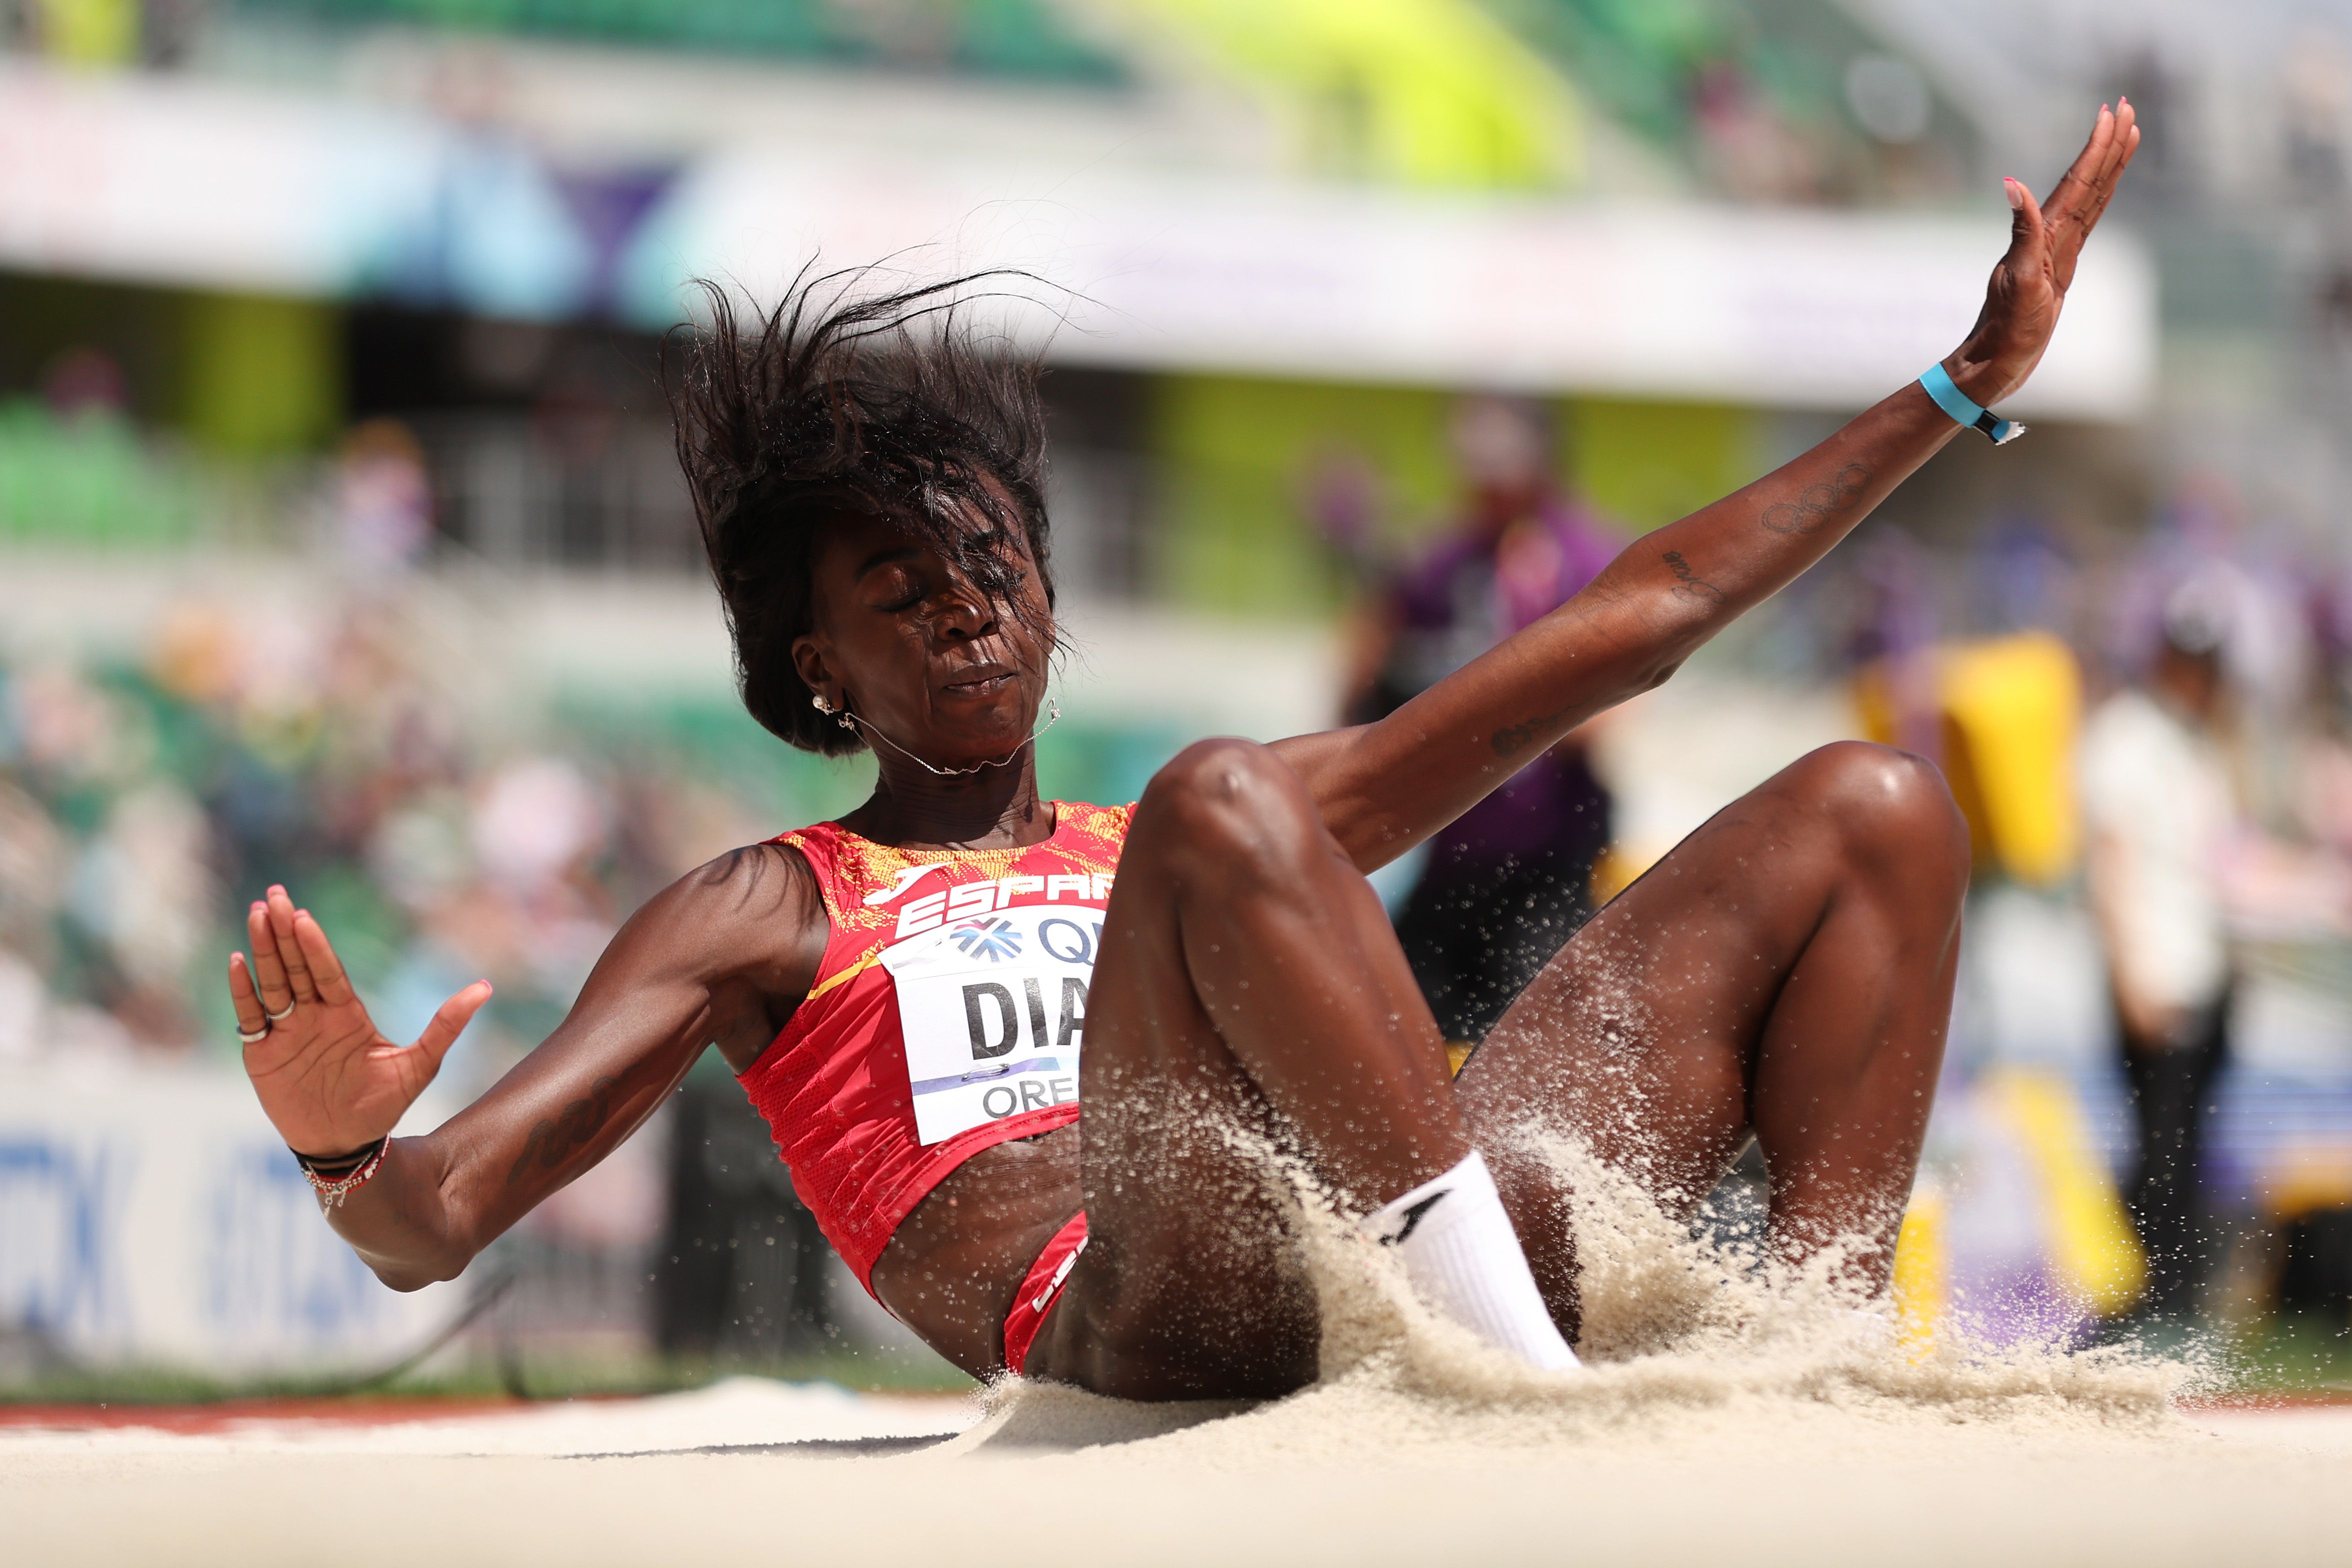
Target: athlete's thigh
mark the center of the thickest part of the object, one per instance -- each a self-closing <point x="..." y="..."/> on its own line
<point x="1191" y="1284"/>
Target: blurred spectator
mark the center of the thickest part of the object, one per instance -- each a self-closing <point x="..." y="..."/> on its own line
<point x="2160" y="809"/>
<point x="1896" y="630"/>
<point x="383" y="499"/>
<point x="32" y="888"/>
<point x="84" y="383"/>
<point x="1749" y="148"/>
<point x="145" y="889"/>
<point x="1506" y="884"/>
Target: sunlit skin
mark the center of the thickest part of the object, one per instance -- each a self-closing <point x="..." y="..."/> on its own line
<point x="1787" y="970"/>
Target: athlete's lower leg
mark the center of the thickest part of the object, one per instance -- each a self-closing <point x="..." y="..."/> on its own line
<point x="1787" y="968"/>
<point x="1845" y="1072"/>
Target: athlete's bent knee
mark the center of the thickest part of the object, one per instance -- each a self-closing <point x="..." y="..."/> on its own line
<point x="1229" y="798"/>
<point x="1893" y="808"/>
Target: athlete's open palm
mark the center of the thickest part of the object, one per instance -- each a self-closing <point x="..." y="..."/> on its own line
<point x="328" y="1078"/>
<point x="2029" y="287"/>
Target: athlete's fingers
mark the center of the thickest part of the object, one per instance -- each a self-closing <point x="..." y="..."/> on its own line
<point x="2126" y="124"/>
<point x="2101" y="182"/>
<point x="2067" y="196"/>
<point x="289" y="949"/>
<point x="251" y="1014"/>
<point x="2120" y="149"/>
<point x="326" y="969"/>
<point x="269" y="972"/>
<point x="2083" y="226"/>
<point x="2127" y="145"/>
<point x="2119" y="145"/>
<point x="449" y="1021"/>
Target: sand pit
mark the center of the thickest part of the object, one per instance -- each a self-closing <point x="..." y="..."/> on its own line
<point x="1727" y="1415"/>
<point x="749" y="1470"/>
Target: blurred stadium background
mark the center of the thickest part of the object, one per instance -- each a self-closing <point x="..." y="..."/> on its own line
<point x="341" y="544"/>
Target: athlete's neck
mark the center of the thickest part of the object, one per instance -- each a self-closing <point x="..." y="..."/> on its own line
<point x="994" y="808"/>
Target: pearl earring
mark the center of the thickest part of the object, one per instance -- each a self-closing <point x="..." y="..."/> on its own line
<point x="818" y="703"/>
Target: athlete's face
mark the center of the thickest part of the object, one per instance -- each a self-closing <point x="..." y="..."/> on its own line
<point x="905" y="641"/>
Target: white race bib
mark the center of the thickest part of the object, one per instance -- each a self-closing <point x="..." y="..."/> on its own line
<point x="993" y="1008"/>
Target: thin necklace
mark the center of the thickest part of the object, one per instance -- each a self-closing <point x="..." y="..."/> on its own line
<point x="1053" y="716"/>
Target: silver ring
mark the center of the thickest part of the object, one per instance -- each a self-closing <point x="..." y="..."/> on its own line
<point x="278" y="1017"/>
<point x="257" y="1037"/>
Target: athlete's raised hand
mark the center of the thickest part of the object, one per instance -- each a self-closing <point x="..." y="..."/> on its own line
<point x="328" y="1078"/>
<point x="2029" y="287"/>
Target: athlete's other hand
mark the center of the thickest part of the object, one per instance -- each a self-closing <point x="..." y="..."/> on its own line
<point x="2022" y="303"/>
<point x="327" y="1078"/>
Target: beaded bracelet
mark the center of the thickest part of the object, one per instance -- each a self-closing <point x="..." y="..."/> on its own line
<point x="335" y="1179"/>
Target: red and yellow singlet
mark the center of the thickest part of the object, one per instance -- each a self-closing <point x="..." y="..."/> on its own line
<point x="946" y="1016"/>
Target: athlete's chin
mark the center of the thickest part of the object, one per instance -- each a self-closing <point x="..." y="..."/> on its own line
<point x="986" y="742"/>
<point x="988" y="723"/>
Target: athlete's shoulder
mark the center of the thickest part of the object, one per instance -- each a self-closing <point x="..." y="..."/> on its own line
<point x="758" y="882"/>
<point x="754" y="914"/>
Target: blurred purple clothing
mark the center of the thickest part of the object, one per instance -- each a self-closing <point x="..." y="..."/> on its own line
<point x="1464" y="584"/>
<point x="1459" y="598"/>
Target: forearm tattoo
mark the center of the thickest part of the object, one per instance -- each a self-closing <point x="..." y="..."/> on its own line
<point x="556" y="1138"/>
<point x="1688" y="584"/>
<point x="1817" y="504"/>
<point x="1513" y="739"/>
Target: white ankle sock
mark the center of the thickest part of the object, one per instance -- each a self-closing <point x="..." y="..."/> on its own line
<point x="1462" y="1256"/>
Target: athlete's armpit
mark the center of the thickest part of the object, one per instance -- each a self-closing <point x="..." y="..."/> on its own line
<point x="770" y="900"/>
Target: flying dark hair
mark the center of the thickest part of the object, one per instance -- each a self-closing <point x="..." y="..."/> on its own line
<point x="838" y="401"/>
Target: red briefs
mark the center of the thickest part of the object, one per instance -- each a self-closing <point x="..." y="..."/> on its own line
<point x="1040" y="1289"/>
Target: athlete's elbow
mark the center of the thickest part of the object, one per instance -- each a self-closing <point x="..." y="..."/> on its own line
<point x="415" y="1251"/>
<point x="409" y="1271"/>
<point x="407" y="1276"/>
<point x="428" y="1254"/>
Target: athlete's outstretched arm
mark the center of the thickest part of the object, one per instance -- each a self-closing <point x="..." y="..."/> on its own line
<point x="1384" y="787"/>
<point x="721" y="957"/>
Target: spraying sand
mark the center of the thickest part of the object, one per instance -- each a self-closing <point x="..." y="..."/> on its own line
<point x="1687" y="1346"/>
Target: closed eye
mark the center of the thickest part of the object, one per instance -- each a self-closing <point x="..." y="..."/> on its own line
<point x="901" y="590"/>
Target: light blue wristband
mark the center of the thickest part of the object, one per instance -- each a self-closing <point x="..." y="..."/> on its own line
<point x="1965" y="409"/>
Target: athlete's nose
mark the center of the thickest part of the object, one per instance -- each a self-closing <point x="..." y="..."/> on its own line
<point x="966" y="615"/>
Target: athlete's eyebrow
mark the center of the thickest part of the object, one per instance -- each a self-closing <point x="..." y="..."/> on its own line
<point x="887" y="556"/>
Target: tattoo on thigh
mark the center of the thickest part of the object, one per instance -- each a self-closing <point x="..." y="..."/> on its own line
<point x="1817" y="504"/>
<point x="557" y="1137"/>
<point x="1688" y="584"/>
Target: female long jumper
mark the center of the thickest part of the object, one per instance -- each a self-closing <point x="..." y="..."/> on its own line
<point x="922" y="995"/>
